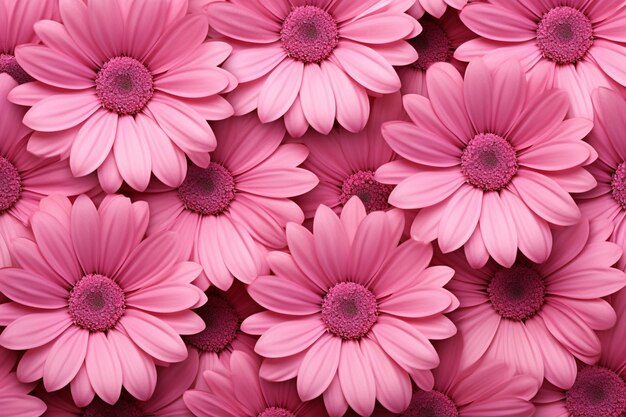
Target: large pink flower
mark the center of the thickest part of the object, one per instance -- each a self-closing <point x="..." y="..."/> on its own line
<point x="314" y="61"/>
<point x="124" y="88"/>
<point x="14" y="398"/>
<point x="16" y="20"/>
<point x="608" y="199"/>
<point x="345" y="162"/>
<point x="229" y="212"/>
<point x="26" y="179"/>
<point x="600" y="387"/>
<point x="540" y="317"/>
<point x="167" y="401"/>
<point x="237" y="391"/>
<point x="490" y="170"/>
<point x="351" y="312"/>
<point x="93" y="304"/>
<point x="576" y="45"/>
<point x="435" y="8"/>
<point x="436" y="43"/>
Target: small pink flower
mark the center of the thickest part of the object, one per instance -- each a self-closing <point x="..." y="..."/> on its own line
<point x="124" y="90"/>
<point x="315" y="61"/>
<point x="237" y="391"/>
<point x="14" y="398"/>
<point x="228" y="213"/>
<point x="351" y="312"/>
<point x="576" y="45"/>
<point x="93" y="304"/>
<point x="490" y="170"/>
<point x="540" y="318"/>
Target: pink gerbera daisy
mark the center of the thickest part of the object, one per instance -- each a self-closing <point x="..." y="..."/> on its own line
<point x="608" y="199"/>
<point x="540" y="317"/>
<point x="351" y="312"/>
<point x="435" y="8"/>
<point x="222" y="315"/>
<point x="14" y="398"/>
<point x="237" y="391"/>
<point x="26" y="179"/>
<point x="93" y="304"/>
<point x="16" y="20"/>
<point x="167" y="401"/>
<point x="600" y="387"/>
<point x="227" y="213"/>
<point x="489" y="170"/>
<point x="118" y="80"/>
<point x="436" y="43"/>
<point x="314" y="61"/>
<point x="576" y="45"/>
<point x="345" y="163"/>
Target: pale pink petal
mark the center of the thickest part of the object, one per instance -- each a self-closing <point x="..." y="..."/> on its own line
<point x="55" y="68"/>
<point x="426" y="188"/>
<point x="132" y="154"/>
<point x="495" y="22"/>
<point x="367" y="67"/>
<point x="356" y="378"/>
<point x="290" y="337"/>
<point x="93" y="143"/>
<point x="454" y="229"/>
<point x="138" y="370"/>
<point x="498" y="230"/>
<point x="319" y="367"/>
<point x="351" y="101"/>
<point x="63" y="111"/>
<point x="317" y="99"/>
<point x="235" y="21"/>
<point x="378" y="28"/>
<point x="103" y="368"/>
<point x="65" y="358"/>
<point x="34" y="330"/>
<point x="280" y="90"/>
<point x="283" y="295"/>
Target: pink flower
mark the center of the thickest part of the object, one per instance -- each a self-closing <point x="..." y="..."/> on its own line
<point x="345" y="163"/>
<point x="314" y="61"/>
<point x="599" y="389"/>
<point x="124" y="88"/>
<point x="490" y="170"/>
<point x="16" y="20"/>
<point x="229" y="212"/>
<point x="540" y="317"/>
<point x="576" y="45"/>
<point x="14" y="398"/>
<point x="26" y="179"/>
<point x="222" y="314"/>
<point x="351" y="312"/>
<point x="237" y="391"/>
<point x="436" y="43"/>
<point x="608" y="199"/>
<point x="93" y="304"/>
<point x="167" y="401"/>
<point x="435" y="8"/>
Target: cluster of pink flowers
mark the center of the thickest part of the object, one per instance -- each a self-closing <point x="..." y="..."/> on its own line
<point x="312" y="208"/>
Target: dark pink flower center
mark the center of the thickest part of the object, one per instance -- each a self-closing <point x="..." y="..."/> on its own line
<point x="432" y="45"/>
<point x="564" y="35"/>
<point x="309" y="34"/>
<point x="96" y="303"/>
<point x="221" y="323"/>
<point x="362" y="184"/>
<point x="597" y="392"/>
<point x="276" y="412"/>
<point x="349" y="310"/>
<point x="207" y="190"/>
<point x="517" y="293"/>
<point x="123" y="408"/>
<point x="430" y="404"/>
<point x="124" y="85"/>
<point x="489" y="162"/>
<point x="9" y="65"/>
<point x="10" y="185"/>
<point x="618" y="185"/>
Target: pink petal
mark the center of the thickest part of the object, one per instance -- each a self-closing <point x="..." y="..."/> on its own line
<point x="65" y="358"/>
<point x="283" y="295"/>
<point x="253" y="62"/>
<point x="426" y="188"/>
<point x="498" y="230"/>
<point x="103" y="368"/>
<point x="497" y="23"/>
<point x="290" y="337"/>
<point x="319" y="367"/>
<point x="317" y="99"/>
<point x="356" y="378"/>
<point x="378" y="28"/>
<point x="138" y="370"/>
<point x="63" y="111"/>
<point x="239" y="252"/>
<point x="331" y="243"/>
<point x="132" y="154"/>
<point x="31" y="289"/>
<point x="280" y="90"/>
<point x="55" y="244"/>
<point x="351" y="101"/>
<point x="235" y="21"/>
<point x="454" y="229"/>
<point x="55" y="68"/>
<point x="605" y="53"/>
<point x="34" y="330"/>
<point x="416" y="302"/>
<point x="93" y="143"/>
<point x="367" y="67"/>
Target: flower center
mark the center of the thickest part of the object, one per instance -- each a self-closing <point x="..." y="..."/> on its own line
<point x="432" y="45"/>
<point x="207" y="191"/>
<point x="618" y="185"/>
<point x="221" y="323"/>
<point x="597" y="392"/>
<point x="9" y="65"/>
<point x="349" y="310"/>
<point x="517" y="293"/>
<point x="564" y="35"/>
<point x="309" y="34"/>
<point x="123" y="408"/>
<point x="96" y="303"/>
<point x="276" y="412"/>
<point x="124" y="85"/>
<point x="489" y="162"/>
<point x="430" y="404"/>
<point x="373" y="194"/>
<point x="10" y="185"/>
